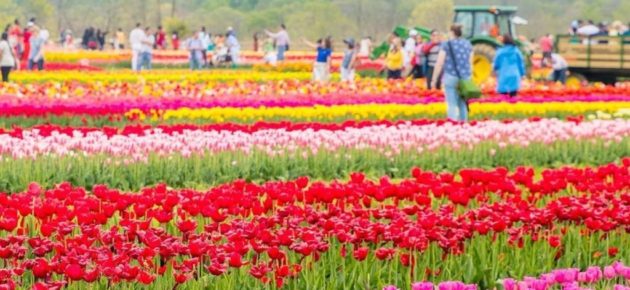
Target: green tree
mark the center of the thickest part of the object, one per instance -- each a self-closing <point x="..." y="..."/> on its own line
<point x="9" y="11"/>
<point x="42" y="10"/>
<point x="217" y="20"/>
<point x="257" y="21"/>
<point x="318" y="19"/>
<point x="176" y="25"/>
<point x="436" y="14"/>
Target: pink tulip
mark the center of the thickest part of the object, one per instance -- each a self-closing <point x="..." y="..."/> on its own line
<point x="510" y="284"/>
<point x="422" y="286"/>
<point x="593" y="274"/>
<point x="609" y="272"/>
<point x="565" y="275"/>
<point x="389" y="141"/>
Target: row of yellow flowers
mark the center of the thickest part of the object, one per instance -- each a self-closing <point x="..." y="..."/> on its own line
<point x="377" y="111"/>
<point x="157" y="75"/>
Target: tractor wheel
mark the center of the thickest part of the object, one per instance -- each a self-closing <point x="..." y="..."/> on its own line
<point x="482" y="62"/>
<point x="576" y="80"/>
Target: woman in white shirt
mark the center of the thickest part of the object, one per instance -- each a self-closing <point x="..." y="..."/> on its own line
<point x="7" y="61"/>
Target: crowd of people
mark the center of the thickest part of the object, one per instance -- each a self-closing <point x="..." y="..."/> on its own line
<point x="444" y="61"/>
<point x="22" y="44"/>
<point x="589" y="28"/>
<point x="415" y="58"/>
<point x="224" y="49"/>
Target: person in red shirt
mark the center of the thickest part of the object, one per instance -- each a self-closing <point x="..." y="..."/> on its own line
<point x="175" y="40"/>
<point x="27" y="42"/>
<point x="15" y="37"/>
<point x="160" y="38"/>
<point x="546" y="46"/>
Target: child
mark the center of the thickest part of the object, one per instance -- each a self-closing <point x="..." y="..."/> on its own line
<point x="270" y="56"/>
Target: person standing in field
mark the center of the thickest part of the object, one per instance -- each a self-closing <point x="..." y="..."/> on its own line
<point x="321" y="68"/>
<point x="560" y="68"/>
<point x="270" y="56"/>
<point x="175" y="40"/>
<point x="349" y="61"/>
<point x="365" y="46"/>
<point x="282" y="41"/>
<point x="409" y="51"/>
<point x="100" y="38"/>
<point x="8" y="61"/>
<point x="136" y="37"/>
<point x="419" y="60"/>
<point x="546" y="46"/>
<point x="455" y="58"/>
<point x="16" y="38"/>
<point x="204" y="37"/>
<point x="234" y="47"/>
<point x="26" y="39"/>
<point x="147" y="49"/>
<point x="509" y="67"/>
<point x="160" y="38"/>
<point x="430" y="51"/>
<point x="36" y="52"/>
<point x="394" y="62"/>
<point x="119" y="40"/>
<point x="195" y="48"/>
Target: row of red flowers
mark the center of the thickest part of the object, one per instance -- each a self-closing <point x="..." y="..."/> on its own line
<point x="76" y="235"/>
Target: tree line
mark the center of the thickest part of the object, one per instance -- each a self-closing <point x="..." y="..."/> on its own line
<point x="307" y="18"/>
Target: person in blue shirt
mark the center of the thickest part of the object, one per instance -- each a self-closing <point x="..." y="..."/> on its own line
<point x="509" y="67"/>
<point x="321" y="69"/>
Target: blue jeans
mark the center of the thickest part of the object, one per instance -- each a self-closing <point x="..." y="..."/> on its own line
<point x="457" y="110"/>
<point x="31" y="64"/>
<point x="281" y="50"/>
<point x="195" y="63"/>
<point x="146" y="59"/>
<point x="560" y="75"/>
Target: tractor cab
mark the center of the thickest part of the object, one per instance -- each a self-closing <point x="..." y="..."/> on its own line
<point x="484" y="26"/>
<point x="486" y="21"/>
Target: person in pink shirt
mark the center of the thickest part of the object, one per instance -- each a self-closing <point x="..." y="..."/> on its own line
<point x="546" y="46"/>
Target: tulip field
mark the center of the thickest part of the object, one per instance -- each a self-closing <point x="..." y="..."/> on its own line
<point x="259" y="178"/>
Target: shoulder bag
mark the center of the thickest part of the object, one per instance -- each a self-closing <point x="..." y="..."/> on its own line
<point x="467" y="88"/>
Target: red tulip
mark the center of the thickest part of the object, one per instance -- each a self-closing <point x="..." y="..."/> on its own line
<point x="276" y="254"/>
<point x="360" y="253"/>
<point x="384" y="253"/>
<point x="41" y="269"/>
<point x="145" y="278"/>
<point x="74" y="272"/>
<point x="236" y="260"/>
<point x="612" y="251"/>
<point x="259" y="271"/>
<point x="91" y="276"/>
<point x="217" y="269"/>
<point x="302" y="182"/>
<point x="181" y="278"/>
<point x="186" y="226"/>
<point x="554" y="241"/>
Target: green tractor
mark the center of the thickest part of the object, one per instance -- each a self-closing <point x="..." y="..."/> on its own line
<point x="482" y="25"/>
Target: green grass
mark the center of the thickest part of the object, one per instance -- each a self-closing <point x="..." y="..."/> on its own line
<point x="211" y="169"/>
